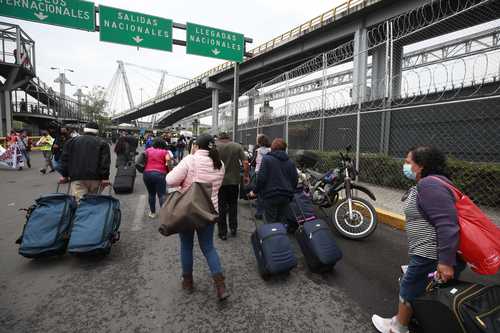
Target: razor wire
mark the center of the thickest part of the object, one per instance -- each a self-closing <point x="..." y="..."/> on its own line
<point x="446" y="97"/>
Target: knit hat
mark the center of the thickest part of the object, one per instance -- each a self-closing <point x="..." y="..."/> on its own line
<point x="91" y="128"/>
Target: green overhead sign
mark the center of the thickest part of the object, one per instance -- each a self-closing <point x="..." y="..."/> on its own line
<point x="215" y="43"/>
<point x="66" y="13"/>
<point x="132" y="28"/>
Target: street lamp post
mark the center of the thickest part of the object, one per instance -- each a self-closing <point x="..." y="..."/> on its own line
<point x="79" y="95"/>
<point x="62" y="80"/>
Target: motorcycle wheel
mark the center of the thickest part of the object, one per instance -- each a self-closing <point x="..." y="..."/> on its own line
<point x="363" y="222"/>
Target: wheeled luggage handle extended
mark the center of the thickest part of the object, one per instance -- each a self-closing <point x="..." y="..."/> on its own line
<point x="304" y="218"/>
<point x="100" y="189"/>
<point x="59" y="185"/>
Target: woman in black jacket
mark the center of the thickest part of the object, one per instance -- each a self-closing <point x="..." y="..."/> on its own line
<point x="276" y="182"/>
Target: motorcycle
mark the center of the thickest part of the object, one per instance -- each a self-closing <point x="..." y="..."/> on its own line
<point x="352" y="216"/>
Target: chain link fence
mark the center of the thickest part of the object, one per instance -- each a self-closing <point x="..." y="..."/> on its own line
<point x="418" y="79"/>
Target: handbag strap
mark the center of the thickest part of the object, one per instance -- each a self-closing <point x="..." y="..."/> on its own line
<point x="456" y="192"/>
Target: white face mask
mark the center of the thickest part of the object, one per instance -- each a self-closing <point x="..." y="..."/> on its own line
<point x="408" y="172"/>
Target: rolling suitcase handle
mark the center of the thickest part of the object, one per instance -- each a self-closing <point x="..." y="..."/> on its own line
<point x="304" y="218"/>
<point x="100" y="189"/>
<point x="59" y="185"/>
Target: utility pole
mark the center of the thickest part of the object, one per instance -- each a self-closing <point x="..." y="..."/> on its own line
<point x="236" y="93"/>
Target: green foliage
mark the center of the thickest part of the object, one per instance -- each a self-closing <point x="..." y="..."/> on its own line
<point x="94" y="108"/>
<point x="480" y="181"/>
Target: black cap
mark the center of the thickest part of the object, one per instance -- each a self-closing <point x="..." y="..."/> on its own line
<point x="224" y="136"/>
<point x="205" y="141"/>
<point x="92" y="125"/>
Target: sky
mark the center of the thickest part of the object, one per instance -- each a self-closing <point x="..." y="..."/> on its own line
<point x="94" y="62"/>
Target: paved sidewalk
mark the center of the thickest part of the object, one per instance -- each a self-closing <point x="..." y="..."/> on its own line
<point x="390" y="199"/>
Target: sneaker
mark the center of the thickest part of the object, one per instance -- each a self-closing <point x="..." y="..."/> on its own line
<point x="152" y="215"/>
<point x="43" y="171"/>
<point x="388" y="325"/>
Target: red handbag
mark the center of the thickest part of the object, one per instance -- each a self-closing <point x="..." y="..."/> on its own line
<point x="479" y="236"/>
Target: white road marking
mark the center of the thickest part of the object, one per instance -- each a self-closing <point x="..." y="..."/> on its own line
<point x="139" y="213"/>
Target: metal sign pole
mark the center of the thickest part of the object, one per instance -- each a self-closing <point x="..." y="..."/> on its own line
<point x="236" y="93"/>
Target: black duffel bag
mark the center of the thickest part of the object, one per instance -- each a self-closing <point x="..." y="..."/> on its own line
<point x="461" y="307"/>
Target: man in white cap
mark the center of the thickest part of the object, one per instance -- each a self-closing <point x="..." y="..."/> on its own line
<point x="85" y="162"/>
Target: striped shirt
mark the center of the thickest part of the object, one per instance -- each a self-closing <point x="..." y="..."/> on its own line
<point x="422" y="237"/>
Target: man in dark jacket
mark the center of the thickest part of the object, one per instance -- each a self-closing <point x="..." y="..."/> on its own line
<point x="276" y="182"/>
<point x="85" y="162"/>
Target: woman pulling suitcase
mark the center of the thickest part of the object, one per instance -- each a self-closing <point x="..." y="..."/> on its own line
<point x="433" y="233"/>
<point x="205" y="166"/>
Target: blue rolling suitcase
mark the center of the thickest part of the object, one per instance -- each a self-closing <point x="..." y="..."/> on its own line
<point x="95" y="225"/>
<point x="47" y="226"/>
<point x="306" y="207"/>
<point x="317" y="243"/>
<point x="273" y="250"/>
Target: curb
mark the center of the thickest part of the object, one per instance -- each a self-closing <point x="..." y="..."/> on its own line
<point x="392" y="219"/>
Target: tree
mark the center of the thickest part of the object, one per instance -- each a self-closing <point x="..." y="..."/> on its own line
<point x="94" y="108"/>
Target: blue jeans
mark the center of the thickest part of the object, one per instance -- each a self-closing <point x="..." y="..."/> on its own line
<point x="57" y="166"/>
<point x="415" y="280"/>
<point x="157" y="186"/>
<point x="206" y="242"/>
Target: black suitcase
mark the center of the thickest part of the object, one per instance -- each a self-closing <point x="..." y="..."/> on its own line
<point x="273" y="250"/>
<point x="124" y="179"/>
<point x="459" y="307"/>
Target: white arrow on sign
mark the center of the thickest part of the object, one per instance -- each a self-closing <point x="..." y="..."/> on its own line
<point x="137" y="39"/>
<point x="216" y="51"/>
<point x="41" y="16"/>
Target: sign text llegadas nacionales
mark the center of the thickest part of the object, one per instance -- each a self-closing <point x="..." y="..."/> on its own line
<point x="215" y="43"/>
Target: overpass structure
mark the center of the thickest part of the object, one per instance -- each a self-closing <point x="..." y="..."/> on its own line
<point x="23" y="96"/>
<point x="351" y="32"/>
<point x="457" y="49"/>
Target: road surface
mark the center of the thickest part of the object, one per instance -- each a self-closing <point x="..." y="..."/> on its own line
<point x="137" y="287"/>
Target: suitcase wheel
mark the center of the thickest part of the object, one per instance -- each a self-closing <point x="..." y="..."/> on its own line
<point x="115" y="237"/>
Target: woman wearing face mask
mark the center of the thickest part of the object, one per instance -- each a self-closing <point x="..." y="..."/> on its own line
<point x="432" y="229"/>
